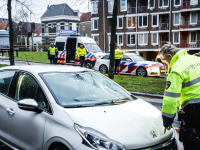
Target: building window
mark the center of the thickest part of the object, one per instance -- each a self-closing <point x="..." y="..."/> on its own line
<point x="66" y="25"/>
<point x="177" y="3"/>
<point x="193" y="37"/>
<point x="95" y="24"/>
<point x="193" y="16"/>
<point x="130" y="22"/>
<point x="176" y="37"/>
<point x="154" y="20"/>
<point x="57" y="27"/>
<point x="154" y="38"/>
<point x="143" y="21"/>
<point x="130" y="39"/>
<point x="123" y="5"/>
<point x="120" y="40"/>
<point x="46" y="28"/>
<point x="119" y="23"/>
<point x="143" y="39"/>
<point x="177" y="19"/>
<point x="94" y="7"/>
<point x="110" y="6"/>
<point x="96" y="39"/>
<point x="193" y="2"/>
<point x="151" y="4"/>
<point x="163" y="3"/>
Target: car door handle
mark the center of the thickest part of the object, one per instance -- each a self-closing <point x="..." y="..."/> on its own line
<point x="10" y="111"/>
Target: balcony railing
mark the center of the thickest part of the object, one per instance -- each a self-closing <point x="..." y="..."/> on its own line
<point x="187" y="24"/>
<point x="164" y="26"/>
<point x="142" y="9"/>
<point x="185" y="4"/>
<point x="131" y="10"/>
<point x="187" y="44"/>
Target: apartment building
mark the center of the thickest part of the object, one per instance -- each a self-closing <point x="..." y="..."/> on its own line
<point x="57" y="17"/>
<point x="143" y="26"/>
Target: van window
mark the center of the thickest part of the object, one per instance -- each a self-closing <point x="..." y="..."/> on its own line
<point x="5" y="81"/>
<point x="60" y="45"/>
<point x="93" y="47"/>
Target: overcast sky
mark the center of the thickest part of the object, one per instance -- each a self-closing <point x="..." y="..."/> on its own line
<point x="40" y="6"/>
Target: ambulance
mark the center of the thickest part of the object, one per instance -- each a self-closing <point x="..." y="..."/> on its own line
<point x="67" y="47"/>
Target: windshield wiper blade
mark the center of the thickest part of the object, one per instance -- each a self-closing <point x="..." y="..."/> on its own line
<point x="77" y="106"/>
<point x="122" y="101"/>
<point x="104" y="103"/>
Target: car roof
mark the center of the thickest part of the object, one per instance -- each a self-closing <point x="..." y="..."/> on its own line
<point x="45" y="68"/>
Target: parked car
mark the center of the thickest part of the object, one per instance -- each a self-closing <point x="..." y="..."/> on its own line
<point x="132" y="64"/>
<point x="72" y="108"/>
<point x="197" y="54"/>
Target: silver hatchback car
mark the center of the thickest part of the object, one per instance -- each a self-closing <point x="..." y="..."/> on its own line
<point x="72" y="108"/>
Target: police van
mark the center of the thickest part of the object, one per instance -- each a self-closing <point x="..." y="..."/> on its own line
<point x="67" y="47"/>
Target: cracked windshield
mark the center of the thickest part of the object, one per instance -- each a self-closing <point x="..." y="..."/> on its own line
<point x="84" y="88"/>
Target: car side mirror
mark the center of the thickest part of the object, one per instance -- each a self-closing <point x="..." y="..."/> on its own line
<point x="128" y="60"/>
<point x="29" y="105"/>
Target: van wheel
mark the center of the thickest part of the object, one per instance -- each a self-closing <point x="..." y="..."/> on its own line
<point x="57" y="146"/>
<point x="88" y="64"/>
<point x="60" y="148"/>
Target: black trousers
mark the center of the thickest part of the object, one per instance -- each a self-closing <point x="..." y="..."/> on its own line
<point x="190" y="131"/>
<point x="117" y="63"/>
<point x="52" y="59"/>
<point x="82" y="59"/>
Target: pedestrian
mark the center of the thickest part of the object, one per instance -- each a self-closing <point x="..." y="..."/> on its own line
<point x="183" y="93"/>
<point x="118" y="57"/>
<point x="52" y="54"/>
<point x="81" y="53"/>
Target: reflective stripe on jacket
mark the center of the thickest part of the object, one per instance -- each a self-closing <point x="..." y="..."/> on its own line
<point x="52" y="50"/>
<point x="119" y="53"/>
<point x="81" y="52"/>
<point x="183" y="83"/>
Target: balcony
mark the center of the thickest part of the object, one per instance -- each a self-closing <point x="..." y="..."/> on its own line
<point x="185" y="4"/>
<point x="163" y="26"/>
<point x="187" y="24"/>
<point x="142" y="9"/>
<point x="187" y="44"/>
<point x="131" y="10"/>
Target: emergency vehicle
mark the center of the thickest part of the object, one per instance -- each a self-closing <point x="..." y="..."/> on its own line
<point x="67" y="47"/>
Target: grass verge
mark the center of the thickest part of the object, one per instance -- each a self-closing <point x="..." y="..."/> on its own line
<point x="31" y="56"/>
<point x="152" y="85"/>
<point x="2" y="65"/>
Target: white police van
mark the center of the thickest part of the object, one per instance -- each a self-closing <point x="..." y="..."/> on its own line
<point x="67" y="47"/>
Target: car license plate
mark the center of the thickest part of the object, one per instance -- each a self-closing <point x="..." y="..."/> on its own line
<point x="162" y="70"/>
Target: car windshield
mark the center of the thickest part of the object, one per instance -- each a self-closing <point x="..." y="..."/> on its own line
<point x="83" y="88"/>
<point x="137" y="57"/>
<point x="93" y="47"/>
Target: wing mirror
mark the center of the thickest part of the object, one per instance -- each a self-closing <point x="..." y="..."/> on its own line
<point x="29" y="105"/>
<point x="128" y="60"/>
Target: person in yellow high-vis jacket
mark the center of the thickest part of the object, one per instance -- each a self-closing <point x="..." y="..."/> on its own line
<point x="52" y="54"/>
<point x="118" y="58"/>
<point x="81" y="53"/>
<point x="183" y="93"/>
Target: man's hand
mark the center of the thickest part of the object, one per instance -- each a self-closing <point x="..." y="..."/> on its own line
<point x="168" y="128"/>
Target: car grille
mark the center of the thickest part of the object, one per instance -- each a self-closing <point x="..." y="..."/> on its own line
<point x="168" y="145"/>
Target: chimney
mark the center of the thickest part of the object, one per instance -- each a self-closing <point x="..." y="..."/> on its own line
<point x="48" y="6"/>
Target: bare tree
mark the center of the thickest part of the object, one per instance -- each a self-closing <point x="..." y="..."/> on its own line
<point x="20" y="6"/>
<point x="113" y="40"/>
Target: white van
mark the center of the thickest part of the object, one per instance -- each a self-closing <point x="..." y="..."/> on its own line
<point x="67" y="47"/>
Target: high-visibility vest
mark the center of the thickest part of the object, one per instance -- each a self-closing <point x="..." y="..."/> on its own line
<point x="52" y="50"/>
<point x="119" y="53"/>
<point x="183" y="83"/>
<point x="81" y="52"/>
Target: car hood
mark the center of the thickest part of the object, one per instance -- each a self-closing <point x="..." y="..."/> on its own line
<point x="130" y="123"/>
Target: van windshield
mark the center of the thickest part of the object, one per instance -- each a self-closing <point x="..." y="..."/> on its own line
<point x="83" y="88"/>
<point x="92" y="47"/>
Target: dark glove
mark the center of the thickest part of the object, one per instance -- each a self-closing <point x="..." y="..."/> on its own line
<point x="167" y="121"/>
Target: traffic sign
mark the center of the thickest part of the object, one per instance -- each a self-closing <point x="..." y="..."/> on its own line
<point x="67" y="32"/>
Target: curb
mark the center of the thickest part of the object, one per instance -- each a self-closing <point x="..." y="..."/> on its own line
<point x="146" y="94"/>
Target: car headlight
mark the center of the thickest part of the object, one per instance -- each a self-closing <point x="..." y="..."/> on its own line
<point x="96" y="139"/>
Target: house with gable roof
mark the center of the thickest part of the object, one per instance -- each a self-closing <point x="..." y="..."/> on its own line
<point x="57" y="17"/>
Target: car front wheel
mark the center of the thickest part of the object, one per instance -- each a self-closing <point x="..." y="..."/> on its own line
<point x="88" y="64"/>
<point x="103" y="69"/>
<point x="141" y="72"/>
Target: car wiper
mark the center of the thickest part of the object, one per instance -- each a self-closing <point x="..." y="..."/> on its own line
<point x="122" y="101"/>
<point x="104" y="103"/>
<point x="77" y="106"/>
<point x="113" y="102"/>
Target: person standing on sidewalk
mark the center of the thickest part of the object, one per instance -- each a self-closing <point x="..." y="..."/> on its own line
<point x="183" y="92"/>
<point x="81" y="53"/>
<point x="118" y="58"/>
<point x="52" y="54"/>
